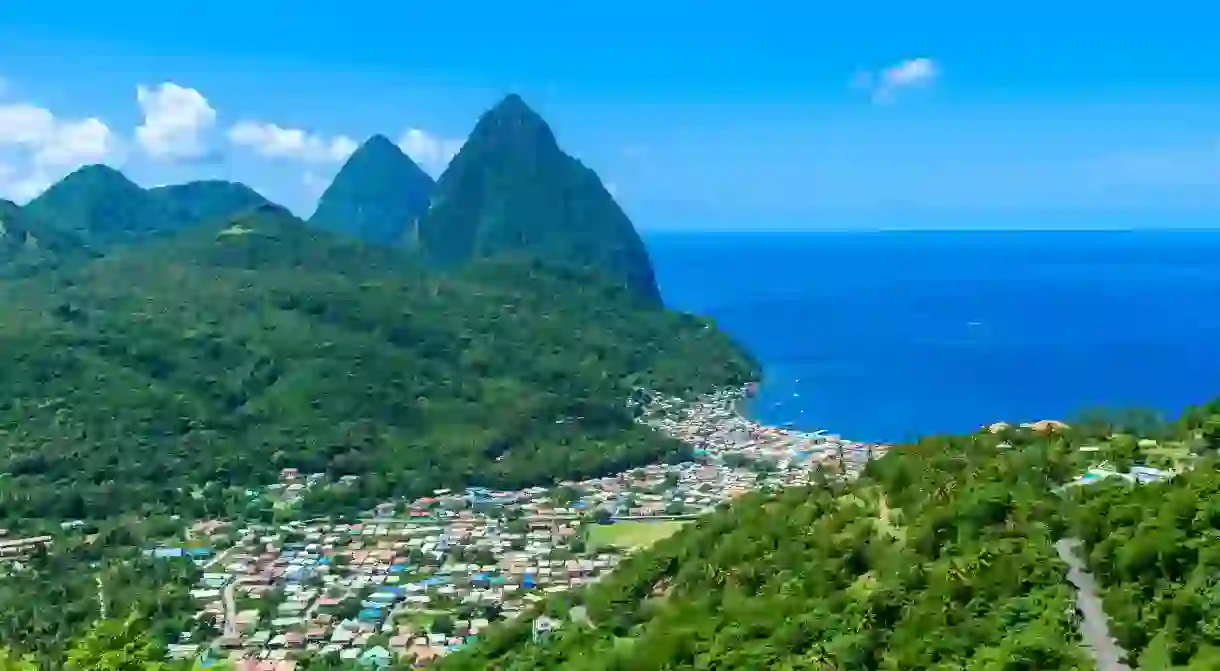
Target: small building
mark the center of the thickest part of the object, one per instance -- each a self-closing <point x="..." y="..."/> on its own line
<point x="376" y="657"/>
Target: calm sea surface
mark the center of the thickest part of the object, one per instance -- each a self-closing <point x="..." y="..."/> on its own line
<point x="887" y="336"/>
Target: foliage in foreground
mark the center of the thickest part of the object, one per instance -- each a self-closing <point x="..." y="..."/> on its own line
<point x="1154" y="550"/>
<point x="52" y="597"/>
<point x="941" y="557"/>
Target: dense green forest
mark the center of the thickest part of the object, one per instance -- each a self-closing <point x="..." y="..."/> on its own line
<point x="220" y="356"/>
<point x="55" y="595"/>
<point x="1154" y="550"/>
<point x="26" y="248"/>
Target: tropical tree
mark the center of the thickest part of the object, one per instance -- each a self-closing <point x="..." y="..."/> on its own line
<point x="117" y="645"/>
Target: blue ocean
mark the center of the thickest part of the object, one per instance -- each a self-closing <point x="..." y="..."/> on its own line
<point x="892" y="335"/>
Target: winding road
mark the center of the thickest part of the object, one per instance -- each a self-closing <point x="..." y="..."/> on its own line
<point x="1094" y="626"/>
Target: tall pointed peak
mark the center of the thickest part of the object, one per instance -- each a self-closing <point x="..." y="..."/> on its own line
<point x="512" y="190"/>
<point x="376" y="196"/>
<point x="513" y="104"/>
<point x="380" y="144"/>
<point x="512" y="119"/>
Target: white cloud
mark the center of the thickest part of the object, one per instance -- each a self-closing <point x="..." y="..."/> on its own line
<point x="52" y="141"/>
<point x="175" y="121"/>
<point x="432" y="153"/>
<point x="76" y="143"/>
<point x="271" y="140"/>
<point x="907" y="74"/>
<point x="50" y="147"/>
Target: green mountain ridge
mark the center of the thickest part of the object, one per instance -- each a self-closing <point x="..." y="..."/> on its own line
<point x="228" y="351"/>
<point x="101" y="207"/>
<point x="377" y="196"/>
<point x="511" y="189"/>
<point x="28" y="247"/>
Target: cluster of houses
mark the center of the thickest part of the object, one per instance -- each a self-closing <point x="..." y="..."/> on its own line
<point x="419" y="579"/>
<point x="373" y="592"/>
<point x="722" y="437"/>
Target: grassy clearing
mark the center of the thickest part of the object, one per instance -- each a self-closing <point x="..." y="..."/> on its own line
<point x="632" y="535"/>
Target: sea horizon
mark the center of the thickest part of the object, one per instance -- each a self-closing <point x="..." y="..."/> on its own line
<point x="885" y="336"/>
<point x="648" y="233"/>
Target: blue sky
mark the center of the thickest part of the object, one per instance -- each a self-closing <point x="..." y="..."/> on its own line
<point x="702" y="115"/>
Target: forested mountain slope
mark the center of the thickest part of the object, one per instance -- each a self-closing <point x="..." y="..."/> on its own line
<point x="28" y="246"/>
<point x="228" y="352"/>
<point x="101" y="207"/>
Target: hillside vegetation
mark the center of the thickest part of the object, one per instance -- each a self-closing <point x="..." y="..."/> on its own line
<point x="98" y="206"/>
<point x="940" y="557"/>
<point x="1154" y="552"/>
<point x="28" y="246"/>
<point x="224" y="354"/>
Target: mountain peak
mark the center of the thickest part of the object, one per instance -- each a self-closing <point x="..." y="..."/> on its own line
<point x="511" y="190"/>
<point x="101" y="206"/>
<point x="377" y="195"/>
<point x="379" y="143"/>
<point x="512" y="122"/>
<point x="96" y="175"/>
<point x="513" y="104"/>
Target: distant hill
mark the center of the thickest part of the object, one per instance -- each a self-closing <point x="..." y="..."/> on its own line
<point x="205" y="200"/>
<point x="228" y="351"/>
<point x="28" y="246"/>
<point x="377" y="196"/>
<point x="102" y="207"/>
<point x="511" y="189"/>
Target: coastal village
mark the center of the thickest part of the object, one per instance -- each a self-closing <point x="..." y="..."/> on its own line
<point x="419" y="579"/>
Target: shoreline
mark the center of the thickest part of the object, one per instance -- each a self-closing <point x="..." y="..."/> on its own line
<point x="718" y="430"/>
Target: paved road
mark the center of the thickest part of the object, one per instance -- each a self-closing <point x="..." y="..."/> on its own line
<point x="230" y="601"/>
<point x="101" y="597"/>
<point x="1094" y="626"/>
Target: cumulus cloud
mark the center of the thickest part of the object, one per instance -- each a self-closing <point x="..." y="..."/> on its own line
<point x="432" y="153"/>
<point x="50" y="147"/>
<point x="176" y="120"/>
<point x="272" y="140"/>
<point x="887" y="82"/>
